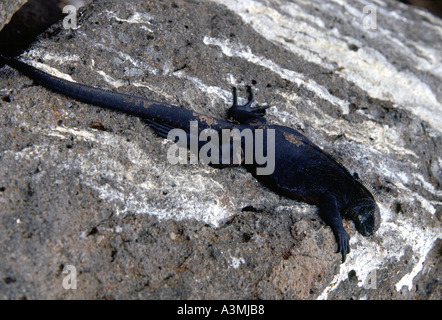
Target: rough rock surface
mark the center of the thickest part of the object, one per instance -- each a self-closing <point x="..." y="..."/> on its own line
<point x="7" y="10"/>
<point x="91" y="189"/>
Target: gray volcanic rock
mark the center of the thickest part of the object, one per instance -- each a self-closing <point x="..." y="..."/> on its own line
<point x="89" y="192"/>
<point x="7" y="10"/>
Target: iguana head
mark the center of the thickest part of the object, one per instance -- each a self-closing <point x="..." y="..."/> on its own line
<point x="365" y="214"/>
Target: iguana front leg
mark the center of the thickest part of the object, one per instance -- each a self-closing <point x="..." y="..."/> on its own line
<point x="330" y="214"/>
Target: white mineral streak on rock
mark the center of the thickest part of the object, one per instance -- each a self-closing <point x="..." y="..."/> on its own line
<point x="133" y="196"/>
<point x="50" y="56"/>
<point x="212" y="91"/>
<point x="135" y="17"/>
<point x="238" y="50"/>
<point x="367" y="67"/>
<point x="128" y="193"/>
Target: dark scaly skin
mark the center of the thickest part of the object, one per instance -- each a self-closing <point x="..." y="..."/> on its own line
<point x="302" y="170"/>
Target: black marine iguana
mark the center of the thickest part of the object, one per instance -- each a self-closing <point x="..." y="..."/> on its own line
<point x="302" y="170"/>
